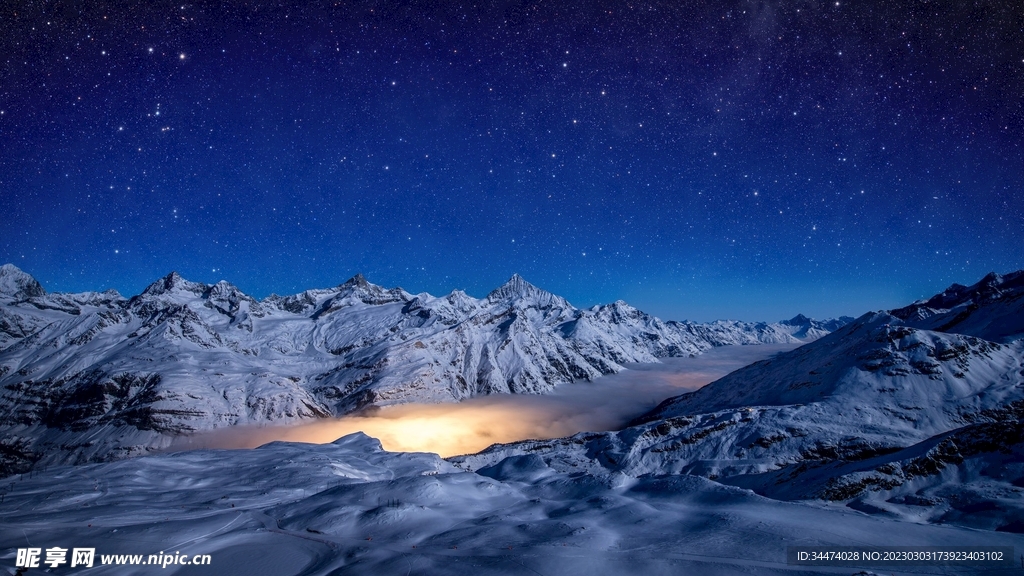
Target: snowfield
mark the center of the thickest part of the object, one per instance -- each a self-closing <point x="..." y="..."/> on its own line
<point x="352" y="508"/>
<point x="892" y="430"/>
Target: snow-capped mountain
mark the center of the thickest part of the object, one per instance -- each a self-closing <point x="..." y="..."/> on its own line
<point x="885" y="434"/>
<point x="17" y="284"/>
<point x="992" y="309"/>
<point x="878" y="413"/>
<point x="102" y="376"/>
<point x="811" y="329"/>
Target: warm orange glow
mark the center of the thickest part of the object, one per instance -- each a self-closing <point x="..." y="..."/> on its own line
<point x="447" y="429"/>
<point x="475" y="424"/>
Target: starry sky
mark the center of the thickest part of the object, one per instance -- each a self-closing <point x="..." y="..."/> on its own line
<point x="700" y="160"/>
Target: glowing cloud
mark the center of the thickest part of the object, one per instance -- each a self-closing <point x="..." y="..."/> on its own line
<point x="472" y="425"/>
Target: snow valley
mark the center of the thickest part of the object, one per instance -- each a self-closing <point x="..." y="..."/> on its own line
<point x="897" y="428"/>
<point x="449" y="429"/>
<point x="95" y="376"/>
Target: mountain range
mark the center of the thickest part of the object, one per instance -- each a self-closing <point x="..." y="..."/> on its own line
<point x="96" y="376"/>
<point x="900" y="428"/>
<point x="886" y="414"/>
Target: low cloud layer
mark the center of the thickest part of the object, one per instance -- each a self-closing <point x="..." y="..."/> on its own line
<point x="470" y="426"/>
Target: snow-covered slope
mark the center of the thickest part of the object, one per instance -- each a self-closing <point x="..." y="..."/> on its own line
<point x="992" y="309"/>
<point x="87" y="377"/>
<point x="351" y="508"/>
<point x="926" y="380"/>
<point x="878" y="413"/>
<point x="15" y="283"/>
<point x="879" y="434"/>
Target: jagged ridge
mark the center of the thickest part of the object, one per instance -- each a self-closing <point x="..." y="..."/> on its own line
<point x="185" y="356"/>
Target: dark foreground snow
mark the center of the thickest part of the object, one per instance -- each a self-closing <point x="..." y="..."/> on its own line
<point x="352" y="508"/>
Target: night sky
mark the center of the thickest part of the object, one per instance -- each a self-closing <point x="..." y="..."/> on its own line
<point x="700" y="160"/>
